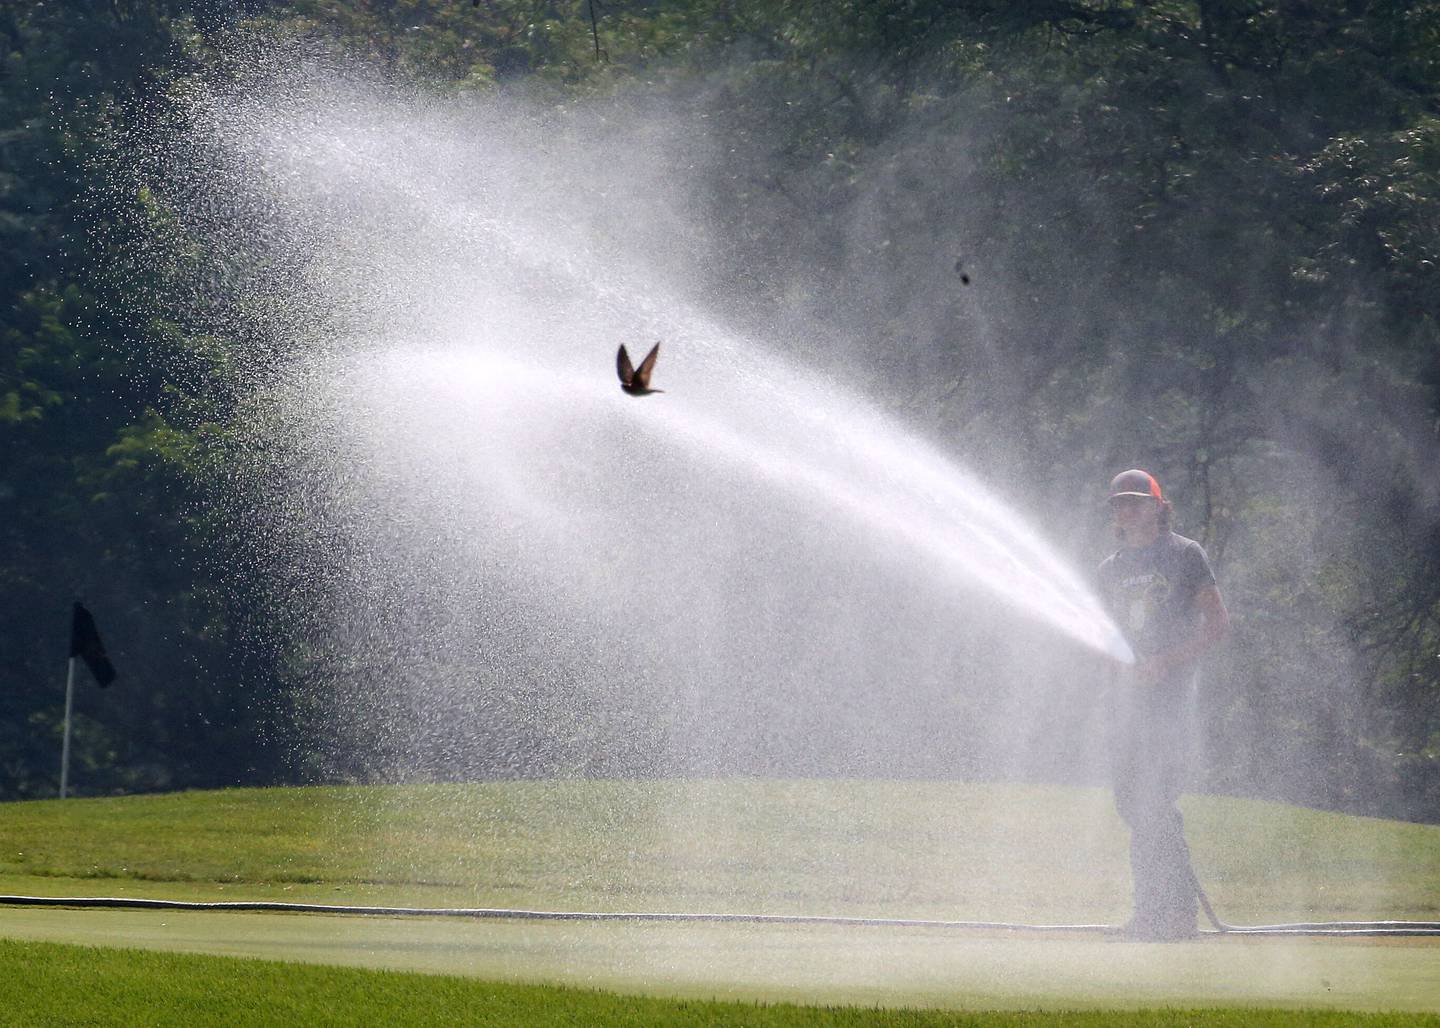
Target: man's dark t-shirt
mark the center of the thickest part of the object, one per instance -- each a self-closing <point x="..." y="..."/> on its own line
<point x="1150" y="592"/>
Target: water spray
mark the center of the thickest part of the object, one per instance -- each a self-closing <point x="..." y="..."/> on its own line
<point x="458" y="449"/>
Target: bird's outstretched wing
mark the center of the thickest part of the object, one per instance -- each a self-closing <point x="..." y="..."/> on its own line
<point x="623" y="367"/>
<point x="642" y="375"/>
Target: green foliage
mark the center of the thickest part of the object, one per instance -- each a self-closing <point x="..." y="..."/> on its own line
<point x="1214" y="223"/>
<point x="106" y="462"/>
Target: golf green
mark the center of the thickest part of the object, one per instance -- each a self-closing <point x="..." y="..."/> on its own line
<point x="810" y="964"/>
<point x="943" y="850"/>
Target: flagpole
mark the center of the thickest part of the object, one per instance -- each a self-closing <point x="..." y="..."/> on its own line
<point x="65" y="746"/>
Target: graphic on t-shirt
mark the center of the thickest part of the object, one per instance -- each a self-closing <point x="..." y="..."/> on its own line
<point x="1145" y="597"/>
<point x="1150" y="592"/>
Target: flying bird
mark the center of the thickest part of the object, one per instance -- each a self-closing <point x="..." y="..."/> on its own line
<point x="636" y="381"/>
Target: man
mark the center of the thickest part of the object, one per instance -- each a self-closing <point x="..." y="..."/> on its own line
<point x="1161" y="592"/>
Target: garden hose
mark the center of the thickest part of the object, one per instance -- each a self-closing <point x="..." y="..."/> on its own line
<point x="1335" y="928"/>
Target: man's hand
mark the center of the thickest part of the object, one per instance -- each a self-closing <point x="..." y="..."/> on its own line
<point x="1148" y="670"/>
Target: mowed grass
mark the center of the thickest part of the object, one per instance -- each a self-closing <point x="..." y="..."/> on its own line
<point x="82" y="985"/>
<point x="941" y="850"/>
<point x="945" y="850"/>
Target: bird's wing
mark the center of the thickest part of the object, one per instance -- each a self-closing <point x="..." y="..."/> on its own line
<point x="623" y="366"/>
<point x="642" y="376"/>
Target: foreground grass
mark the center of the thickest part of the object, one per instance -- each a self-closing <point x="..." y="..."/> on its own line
<point x="810" y="964"/>
<point x="75" y="985"/>
<point x="903" y="849"/>
<point x="940" y="850"/>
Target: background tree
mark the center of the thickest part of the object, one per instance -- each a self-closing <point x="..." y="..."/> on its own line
<point x="1201" y="237"/>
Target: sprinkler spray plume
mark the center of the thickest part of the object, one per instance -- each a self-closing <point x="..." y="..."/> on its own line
<point x="822" y="585"/>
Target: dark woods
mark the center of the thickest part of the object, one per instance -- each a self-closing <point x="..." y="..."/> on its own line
<point x="1199" y="237"/>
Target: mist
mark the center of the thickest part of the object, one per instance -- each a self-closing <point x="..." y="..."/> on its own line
<point x="431" y="289"/>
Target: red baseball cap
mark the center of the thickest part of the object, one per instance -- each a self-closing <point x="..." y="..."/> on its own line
<point x="1135" y="483"/>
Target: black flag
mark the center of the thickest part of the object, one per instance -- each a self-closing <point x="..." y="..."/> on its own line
<point x="85" y="643"/>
